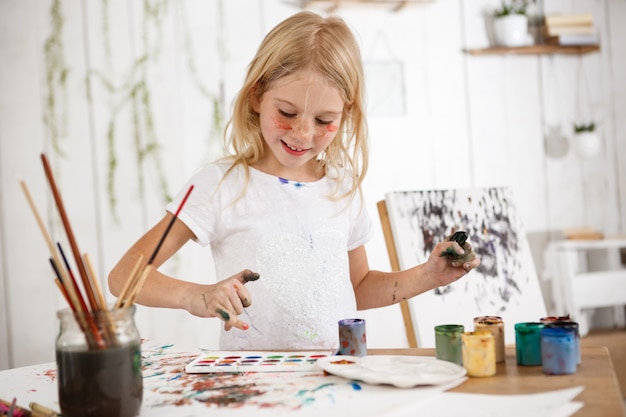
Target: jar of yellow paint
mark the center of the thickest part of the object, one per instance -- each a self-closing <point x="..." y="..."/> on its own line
<point x="495" y="325"/>
<point x="479" y="353"/>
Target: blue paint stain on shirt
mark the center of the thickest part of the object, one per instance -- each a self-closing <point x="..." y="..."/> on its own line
<point x="296" y="184"/>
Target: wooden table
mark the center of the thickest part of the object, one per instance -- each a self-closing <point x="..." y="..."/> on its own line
<point x="602" y="395"/>
<point x="169" y="391"/>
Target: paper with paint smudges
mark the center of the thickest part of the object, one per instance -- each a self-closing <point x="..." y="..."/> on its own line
<point x="170" y="391"/>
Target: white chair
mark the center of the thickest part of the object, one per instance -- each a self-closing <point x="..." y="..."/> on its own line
<point x="586" y="275"/>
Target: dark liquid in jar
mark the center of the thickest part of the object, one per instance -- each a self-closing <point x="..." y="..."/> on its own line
<point x="100" y="383"/>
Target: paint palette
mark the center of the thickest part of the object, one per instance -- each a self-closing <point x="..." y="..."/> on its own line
<point x="399" y="371"/>
<point x="249" y="361"/>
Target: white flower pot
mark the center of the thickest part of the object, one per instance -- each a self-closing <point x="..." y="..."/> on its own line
<point x="511" y="30"/>
<point x="587" y="143"/>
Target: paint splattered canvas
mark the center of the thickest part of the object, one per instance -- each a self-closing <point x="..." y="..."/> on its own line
<point x="505" y="284"/>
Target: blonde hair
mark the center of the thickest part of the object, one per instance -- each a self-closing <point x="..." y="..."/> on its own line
<point x="326" y="45"/>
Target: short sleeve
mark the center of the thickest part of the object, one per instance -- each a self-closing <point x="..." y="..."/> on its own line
<point x="362" y="228"/>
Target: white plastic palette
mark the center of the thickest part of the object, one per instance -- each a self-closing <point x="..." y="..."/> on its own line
<point x="248" y="361"/>
<point x="400" y="371"/>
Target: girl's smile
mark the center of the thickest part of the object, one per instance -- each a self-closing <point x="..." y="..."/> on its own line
<point x="293" y="151"/>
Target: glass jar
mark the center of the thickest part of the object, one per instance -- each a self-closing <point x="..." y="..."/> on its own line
<point x="448" y="342"/>
<point x="98" y="356"/>
<point x="558" y="349"/>
<point x="495" y="325"/>
<point x="479" y="353"/>
<point x="352" y="337"/>
<point x="528" y="343"/>
<point x="566" y="321"/>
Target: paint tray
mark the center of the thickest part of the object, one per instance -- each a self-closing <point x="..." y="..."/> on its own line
<point x="251" y="361"/>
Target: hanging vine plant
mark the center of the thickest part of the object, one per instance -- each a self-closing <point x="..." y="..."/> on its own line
<point x="55" y="116"/>
<point x="217" y="100"/>
<point x="134" y="95"/>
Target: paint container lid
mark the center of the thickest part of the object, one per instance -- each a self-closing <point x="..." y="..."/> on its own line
<point x="446" y="329"/>
<point x="552" y="319"/>
<point x="351" y="322"/>
<point x="528" y="327"/>
<point x="488" y="320"/>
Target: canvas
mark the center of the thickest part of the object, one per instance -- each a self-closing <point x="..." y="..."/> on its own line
<point x="505" y="284"/>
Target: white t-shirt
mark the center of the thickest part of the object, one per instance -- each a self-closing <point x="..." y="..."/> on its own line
<point x="294" y="237"/>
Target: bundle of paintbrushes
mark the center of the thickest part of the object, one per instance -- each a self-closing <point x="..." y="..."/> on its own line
<point x="91" y="311"/>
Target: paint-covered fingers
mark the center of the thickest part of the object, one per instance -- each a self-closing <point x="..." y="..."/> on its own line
<point x="467" y="256"/>
<point x="220" y="300"/>
<point x="458" y="255"/>
<point x="236" y="323"/>
<point x="231" y="320"/>
<point x="244" y="296"/>
<point x="468" y="261"/>
<point x="246" y="276"/>
<point x="228" y="315"/>
<point x="459" y="250"/>
<point x="225" y="300"/>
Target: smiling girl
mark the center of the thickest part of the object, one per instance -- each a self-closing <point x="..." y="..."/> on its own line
<point x="287" y="204"/>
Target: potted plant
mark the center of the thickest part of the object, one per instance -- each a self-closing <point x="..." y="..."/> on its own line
<point x="510" y="24"/>
<point x="586" y="139"/>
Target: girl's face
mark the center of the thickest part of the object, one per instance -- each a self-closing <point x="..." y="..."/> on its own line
<point x="300" y="115"/>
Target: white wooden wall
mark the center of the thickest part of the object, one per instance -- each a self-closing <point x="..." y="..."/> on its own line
<point x="468" y="121"/>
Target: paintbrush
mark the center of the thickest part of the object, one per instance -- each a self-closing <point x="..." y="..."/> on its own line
<point x="129" y="284"/>
<point x="169" y="226"/>
<point x="70" y="234"/>
<point x="138" y="281"/>
<point x="110" y="332"/>
<point x="14" y="410"/>
<point x="42" y="411"/>
<point x="71" y="289"/>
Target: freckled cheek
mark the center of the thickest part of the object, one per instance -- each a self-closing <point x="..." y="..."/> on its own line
<point x="332" y="128"/>
<point x="281" y="123"/>
<point x="324" y="134"/>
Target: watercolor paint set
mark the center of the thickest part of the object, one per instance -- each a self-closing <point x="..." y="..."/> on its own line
<point x="250" y="361"/>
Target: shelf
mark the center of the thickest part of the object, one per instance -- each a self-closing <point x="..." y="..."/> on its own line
<point x="332" y="5"/>
<point x="536" y="50"/>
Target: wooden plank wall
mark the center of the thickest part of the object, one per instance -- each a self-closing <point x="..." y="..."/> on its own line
<point x="455" y="120"/>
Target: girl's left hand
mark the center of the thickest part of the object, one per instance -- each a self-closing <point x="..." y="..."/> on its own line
<point x="448" y="262"/>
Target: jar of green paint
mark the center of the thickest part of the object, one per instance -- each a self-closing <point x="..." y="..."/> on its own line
<point x="528" y="343"/>
<point x="448" y="342"/>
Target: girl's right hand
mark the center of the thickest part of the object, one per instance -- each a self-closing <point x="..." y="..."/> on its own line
<point x="224" y="300"/>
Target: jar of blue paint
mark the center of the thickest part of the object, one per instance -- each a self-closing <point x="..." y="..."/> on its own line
<point x="558" y="349"/>
<point x="566" y="322"/>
